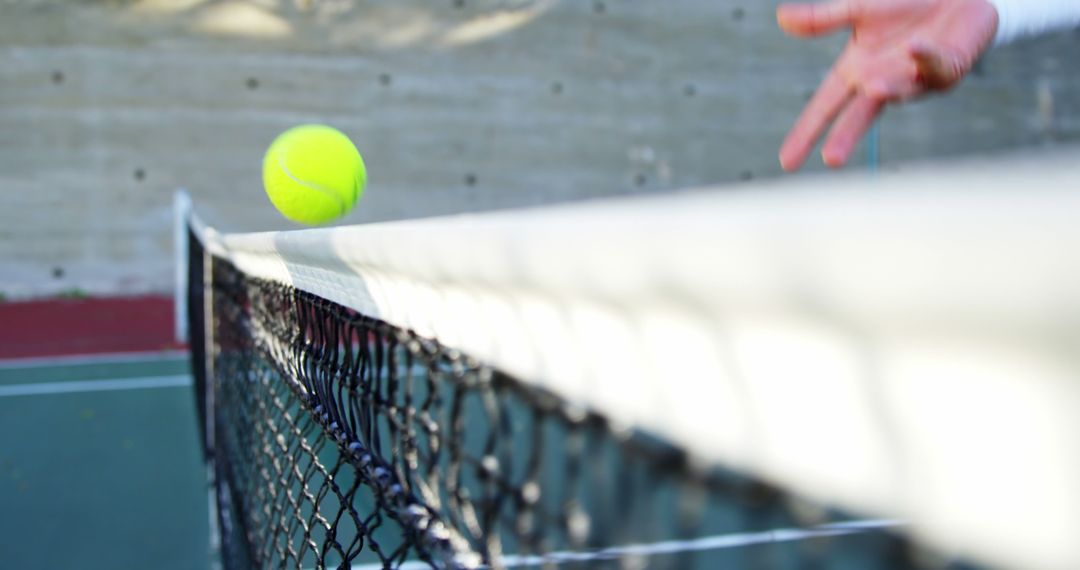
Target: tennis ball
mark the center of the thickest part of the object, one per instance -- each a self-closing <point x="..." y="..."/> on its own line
<point x="313" y="174"/>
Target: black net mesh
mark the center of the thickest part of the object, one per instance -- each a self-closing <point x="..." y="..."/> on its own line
<point x="338" y="440"/>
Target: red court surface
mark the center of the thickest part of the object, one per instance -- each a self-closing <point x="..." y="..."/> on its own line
<point x="56" y="327"/>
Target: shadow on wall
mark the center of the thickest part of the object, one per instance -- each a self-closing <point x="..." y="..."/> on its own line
<point x="383" y="25"/>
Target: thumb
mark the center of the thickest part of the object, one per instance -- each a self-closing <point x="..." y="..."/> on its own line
<point x="938" y="69"/>
<point x="804" y="20"/>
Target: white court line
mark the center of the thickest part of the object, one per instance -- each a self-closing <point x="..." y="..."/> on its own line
<point x="79" y="386"/>
<point x="674" y="546"/>
<point x="77" y="359"/>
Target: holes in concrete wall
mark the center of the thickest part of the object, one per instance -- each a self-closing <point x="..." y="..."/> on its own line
<point x="640" y="179"/>
<point x="385" y="79"/>
<point x="556" y="88"/>
<point x="57" y="272"/>
<point x="470" y="179"/>
<point x="139" y="174"/>
<point x="459" y="3"/>
<point x="252" y="83"/>
<point x="689" y="90"/>
<point x="738" y="13"/>
<point x="599" y="8"/>
<point x="746" y="175"/>
<point x="57" y="77"/>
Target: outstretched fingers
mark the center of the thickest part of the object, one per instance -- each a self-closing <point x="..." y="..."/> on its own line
<point x="827" y="102"/>
<point x="899" y="50"/>
<point x="805" y="19"/>
<point x="849" y="128"/>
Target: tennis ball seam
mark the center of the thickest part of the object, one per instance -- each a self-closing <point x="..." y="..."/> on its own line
<point x="311" y="185"/>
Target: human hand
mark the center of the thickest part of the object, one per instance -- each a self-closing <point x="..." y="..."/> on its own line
<point x="899" y="49"/>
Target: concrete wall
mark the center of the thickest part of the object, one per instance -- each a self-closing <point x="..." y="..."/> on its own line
<point x="106" y="107"/>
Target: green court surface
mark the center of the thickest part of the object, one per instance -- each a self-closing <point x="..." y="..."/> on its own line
<point x="100" y="465"/>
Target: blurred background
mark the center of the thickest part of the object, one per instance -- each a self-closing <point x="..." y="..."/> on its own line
<point x="107" y="107"/>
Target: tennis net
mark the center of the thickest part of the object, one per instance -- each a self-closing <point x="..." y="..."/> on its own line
<point x="704" y="379"/>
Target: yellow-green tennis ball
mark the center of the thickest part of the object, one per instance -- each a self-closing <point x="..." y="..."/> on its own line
<point x="313" y="174"/>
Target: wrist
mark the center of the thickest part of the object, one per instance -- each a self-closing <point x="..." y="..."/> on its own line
<point x="1022" y="18"/>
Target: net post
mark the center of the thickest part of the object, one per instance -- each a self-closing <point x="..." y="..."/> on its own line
<point x="181" y="215"/>
<point x="873" y="147"/>
<point x="209" y="353"/>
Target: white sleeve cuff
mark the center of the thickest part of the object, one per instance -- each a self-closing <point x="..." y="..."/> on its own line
<point x="1022" y="18"/>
